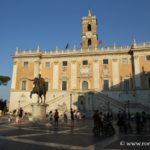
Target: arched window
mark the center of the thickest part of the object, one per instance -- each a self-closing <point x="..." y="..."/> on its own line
<point x="89" y="27"/>
<point x="89" y="43"/>
<point x="84" y="85"/>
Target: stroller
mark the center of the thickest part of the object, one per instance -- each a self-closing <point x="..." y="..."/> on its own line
<point x="107" y="129"/>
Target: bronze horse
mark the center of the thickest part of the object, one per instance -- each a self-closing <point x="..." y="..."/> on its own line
<point x="39" y="88"/>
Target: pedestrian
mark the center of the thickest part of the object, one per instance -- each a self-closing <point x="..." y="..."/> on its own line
<point x="72" y="117"/>
<point x="96" y="119"/>
<point x="10" y="117"/>
<point x="125" y="122"/>
<point x="65" y="117"/>
<point x="143" y="121"/>
<point x="101" y="122"/>
<point x="0" y="113"/>
<point x="120" y="121"/>
<point x="78" y="115"/>
<point x="108" y="116"/>
<point x="20" y="115"/>
<point x="138" y="122"/>
<point x="129" y="127"/>
<point x="56" y="117"/>
<point x="51" y="117"/>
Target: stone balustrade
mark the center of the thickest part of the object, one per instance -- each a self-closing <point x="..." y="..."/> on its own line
<point x="75" y="50"/>
<point x="142" y="45"/>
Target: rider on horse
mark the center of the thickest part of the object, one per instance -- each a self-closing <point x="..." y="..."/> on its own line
<point x="39" y="87"/>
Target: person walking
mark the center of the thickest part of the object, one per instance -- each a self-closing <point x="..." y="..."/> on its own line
<point x="72" y="117"/>
<point x="138" y="122"/>
<point x="56" y="117"/>
<point x="96" y="119"/>
<point x="120" y="122"/>
<point x="20" y="114"/>
<point x="65" y="117"/>
<point x="101" y="122"/>
<point x="143" y="122"/>
<point x="51" y="117"/>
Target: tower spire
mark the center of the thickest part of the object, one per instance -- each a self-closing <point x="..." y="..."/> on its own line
<point x="89" y="14"/>
<point x="89" y="31"/>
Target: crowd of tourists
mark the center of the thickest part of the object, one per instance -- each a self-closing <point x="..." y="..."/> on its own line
<point x="17" y="116"/>
<point x="138" y="122"/>
<point x="103" y="123"/>
<point x="67" y="117"/>
<point x="124" y="122"/>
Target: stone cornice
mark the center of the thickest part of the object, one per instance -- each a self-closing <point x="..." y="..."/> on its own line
<point x="83" y="52"/>
<point x="71" y="54"/>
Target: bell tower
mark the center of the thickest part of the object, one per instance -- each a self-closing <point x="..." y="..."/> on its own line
<point x="89" y="32"/>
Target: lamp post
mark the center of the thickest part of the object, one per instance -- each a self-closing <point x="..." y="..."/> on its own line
<point x="128" y="104"/>
<point x="70" y="100"/>
<point x="21" y="100"/>
<point x="19" y="104"/>
<point x="108" y="106"/>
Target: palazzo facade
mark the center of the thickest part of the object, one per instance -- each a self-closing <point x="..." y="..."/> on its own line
<point x="86" y="79"/>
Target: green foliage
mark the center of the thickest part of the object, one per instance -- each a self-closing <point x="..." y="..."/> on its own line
<point x="3" y="104"/>
<point x="4" y="80"/>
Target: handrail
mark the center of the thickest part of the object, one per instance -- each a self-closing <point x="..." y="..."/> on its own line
<point x="48" y="102"/>
<point x="112" y="101"/>
<point x="57" y="100"/>
<point x="109" y="98"/>
<point x="54" y="99"/>
<point x="139" y="105"/>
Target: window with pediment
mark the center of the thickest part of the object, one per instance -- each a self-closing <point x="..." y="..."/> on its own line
<point x="64" y="85"/>
<point x="84" y="62"/>
<point x="148" y="57"/>
<point x="84" y="85"/>
<point x="64" y="63"/>
<point x="47" y="64"/>
<point x="25" y="64"/>
<point x="105" y="61"/>
<point x="24" y="85"/>
<point x="106" y="85"/>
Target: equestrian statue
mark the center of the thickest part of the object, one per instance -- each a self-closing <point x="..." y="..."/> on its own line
<point x="39" y="88"/>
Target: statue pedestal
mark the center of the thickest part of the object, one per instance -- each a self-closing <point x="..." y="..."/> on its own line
<point x="38" y="111"/>
<point x="34" y="98"/>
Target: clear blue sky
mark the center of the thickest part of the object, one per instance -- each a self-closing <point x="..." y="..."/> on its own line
<point x="49" y="23"/>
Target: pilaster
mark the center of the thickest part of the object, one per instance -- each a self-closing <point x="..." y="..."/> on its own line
<point x="14" y="75"/>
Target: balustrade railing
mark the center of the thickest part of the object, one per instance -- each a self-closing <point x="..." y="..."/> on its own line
<point x="80" y="50"/>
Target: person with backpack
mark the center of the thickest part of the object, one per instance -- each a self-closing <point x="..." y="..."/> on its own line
<point x="56" y="117"/>
<point x="72" y="117"/>
<point x="51" y="117"/>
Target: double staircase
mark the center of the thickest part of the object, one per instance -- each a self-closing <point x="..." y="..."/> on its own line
<point x="54" y="103"/>
<point x="121" y="105"/>
<point x="62" y="103"/>
<point x="140" y="106"/>
<point x="110" y="101"/>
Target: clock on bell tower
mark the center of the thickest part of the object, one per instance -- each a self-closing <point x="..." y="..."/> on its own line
<point x="89" y="32"/>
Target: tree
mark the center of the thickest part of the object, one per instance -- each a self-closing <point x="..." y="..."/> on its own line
<point x="4" y="80"/>
<point x="3" y="104"/>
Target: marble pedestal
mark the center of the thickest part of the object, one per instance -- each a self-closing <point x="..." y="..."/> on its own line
<point x="38" y="111"/>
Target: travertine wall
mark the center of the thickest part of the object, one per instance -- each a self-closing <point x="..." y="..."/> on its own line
<point x="75" y="73"/>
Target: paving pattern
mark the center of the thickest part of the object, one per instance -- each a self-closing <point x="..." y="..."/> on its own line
<point x="43" y="136"/>
<point x="26" y="136"/>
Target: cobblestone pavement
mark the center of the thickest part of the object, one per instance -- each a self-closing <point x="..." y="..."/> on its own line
<point x="43" y="136"/>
